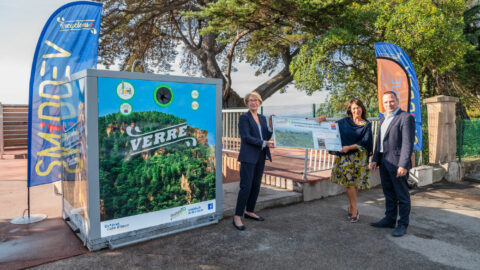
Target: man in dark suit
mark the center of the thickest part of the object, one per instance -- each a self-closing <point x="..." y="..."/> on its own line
<point x="393" y="151"/>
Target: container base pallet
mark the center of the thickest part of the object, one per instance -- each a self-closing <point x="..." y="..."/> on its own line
<point x="142" y="235"/>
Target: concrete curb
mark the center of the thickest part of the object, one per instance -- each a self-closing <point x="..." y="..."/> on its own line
<point x="269" y="198"/>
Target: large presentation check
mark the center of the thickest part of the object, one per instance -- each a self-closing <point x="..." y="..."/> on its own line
<point x="300" y="133"/>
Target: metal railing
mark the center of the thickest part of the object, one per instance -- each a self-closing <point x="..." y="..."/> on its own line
<point x="230" y="134"/>
<point x="316" y="160"/>
<point x="468" y="140"/>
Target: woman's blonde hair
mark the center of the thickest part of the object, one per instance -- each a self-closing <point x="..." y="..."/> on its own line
<point x="255" y="95"/>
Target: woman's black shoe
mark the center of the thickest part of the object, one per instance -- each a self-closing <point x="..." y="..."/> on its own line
<point x="254" y="218"/>
<point x="240" y="228"/>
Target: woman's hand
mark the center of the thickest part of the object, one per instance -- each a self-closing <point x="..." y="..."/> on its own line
<point x="321" y="119"/>
<point x="270" y="144"/>
<point x="347" y="148"/>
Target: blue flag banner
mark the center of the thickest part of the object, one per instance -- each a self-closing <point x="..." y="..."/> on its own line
<point x="395" y="73"/>
<point x="68" y="43"/>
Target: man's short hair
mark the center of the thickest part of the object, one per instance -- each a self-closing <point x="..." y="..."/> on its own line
<point x="391" y="93"/>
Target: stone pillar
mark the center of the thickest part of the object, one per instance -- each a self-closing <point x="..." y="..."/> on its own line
<point x="442" y="135"/>
<point x="442" y="130"/>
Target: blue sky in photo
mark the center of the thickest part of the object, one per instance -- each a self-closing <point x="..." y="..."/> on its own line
<point x="203" y="118"/>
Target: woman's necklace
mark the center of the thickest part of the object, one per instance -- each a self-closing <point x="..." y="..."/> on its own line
<point x="358" y="121"/>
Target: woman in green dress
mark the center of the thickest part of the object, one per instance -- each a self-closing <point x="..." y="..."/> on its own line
<point x="350" y="168"/>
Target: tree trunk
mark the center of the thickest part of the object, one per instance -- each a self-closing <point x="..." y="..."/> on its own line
<point x="462" y="111"/>
<point x="268" y="88"/>
<point x="206" y="56"/>
<point x="231" y="99"/>
<point x="278" y="81"/>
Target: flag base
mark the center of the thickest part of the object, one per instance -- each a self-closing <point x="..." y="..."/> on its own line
<point x="28" y="220"/>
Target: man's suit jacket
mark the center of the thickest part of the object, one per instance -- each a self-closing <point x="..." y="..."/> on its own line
<point x="252" y="142"/>
<point x="398" y="141"/>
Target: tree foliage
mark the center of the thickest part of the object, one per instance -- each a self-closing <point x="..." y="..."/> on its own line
<point x="156" y="31"/>
<point x="469" y="71"/>
<point x="344" y="58"/>
<point x="255" y="33"/>
<point x="318" y="44"/>
<point x="272" y="30"/>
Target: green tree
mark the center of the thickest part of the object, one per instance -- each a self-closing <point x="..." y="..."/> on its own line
<point x="268" y="34"/>
<point x="343" y="57"/>
<point x="153" y="31"/>
<point x="469" y="71"/>
<point x="472" y="25"/>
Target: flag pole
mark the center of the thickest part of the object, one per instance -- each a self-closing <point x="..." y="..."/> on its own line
<point x="28" y="219"/>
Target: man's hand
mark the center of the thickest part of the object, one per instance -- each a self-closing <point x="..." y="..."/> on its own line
<point x="372" y="166"/>
<point x="270" y="144"/>
<point x="401" y="172"/>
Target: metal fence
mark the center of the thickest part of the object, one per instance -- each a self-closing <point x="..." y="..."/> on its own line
<point x="230" y="134"/>
<point x="315" y="160"/>
<point x="320" y="160"/>
<point x="13" y="127"/>
<point x="468" y="138"/>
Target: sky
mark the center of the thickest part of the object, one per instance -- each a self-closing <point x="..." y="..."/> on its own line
<point x="22" y="22"/>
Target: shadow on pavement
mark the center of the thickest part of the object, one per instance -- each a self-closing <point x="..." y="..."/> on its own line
<point x="28" y="245"/>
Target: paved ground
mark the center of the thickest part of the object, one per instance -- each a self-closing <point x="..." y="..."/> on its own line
<point x="24" y="245"/>
<point x="444" y="234"/>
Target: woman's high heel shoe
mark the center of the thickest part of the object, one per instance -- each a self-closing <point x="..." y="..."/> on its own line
<point x="355" y="218"/>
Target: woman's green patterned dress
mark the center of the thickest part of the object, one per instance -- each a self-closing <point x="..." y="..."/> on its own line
<point x="351" y="170"/>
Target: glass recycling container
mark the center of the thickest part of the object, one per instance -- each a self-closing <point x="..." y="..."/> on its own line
<point x="141" y="155"/>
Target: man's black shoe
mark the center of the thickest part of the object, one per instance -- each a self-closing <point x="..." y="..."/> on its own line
<point x="399" y="231"/>
<point x="383" y="223"/>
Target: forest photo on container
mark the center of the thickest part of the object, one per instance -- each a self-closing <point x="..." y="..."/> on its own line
<point x="177" y="174"/>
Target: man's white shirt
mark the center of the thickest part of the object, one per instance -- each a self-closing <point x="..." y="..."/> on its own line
<point x="385" y="125"/>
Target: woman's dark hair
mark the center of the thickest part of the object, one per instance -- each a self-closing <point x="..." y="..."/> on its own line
<point x="358" y="102"/>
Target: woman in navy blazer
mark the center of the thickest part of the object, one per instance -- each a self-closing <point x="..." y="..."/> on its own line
<point x="254" y="149"/>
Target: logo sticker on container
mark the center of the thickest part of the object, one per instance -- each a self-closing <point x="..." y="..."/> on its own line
<point x="126" y="108"/>
<point x="195" y="105"/>
<point x="195" y="94"/>
<point x="125" y="90"/>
